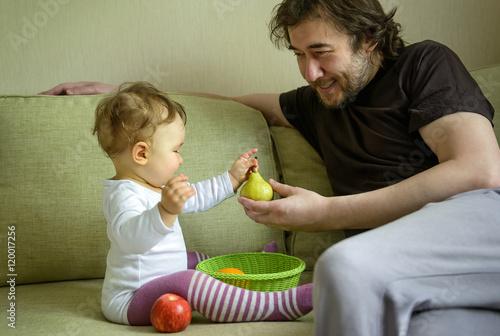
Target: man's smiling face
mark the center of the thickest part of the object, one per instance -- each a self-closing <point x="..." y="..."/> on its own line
<point x="326" y="60"/>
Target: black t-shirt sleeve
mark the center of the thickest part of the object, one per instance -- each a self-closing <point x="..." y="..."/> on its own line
<point x="439" y="84"/>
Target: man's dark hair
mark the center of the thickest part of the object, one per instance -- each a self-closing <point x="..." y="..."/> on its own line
<point x="360" y="19"/>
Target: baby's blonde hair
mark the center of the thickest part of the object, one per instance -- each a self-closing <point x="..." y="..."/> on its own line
<point x="132" y="115"/>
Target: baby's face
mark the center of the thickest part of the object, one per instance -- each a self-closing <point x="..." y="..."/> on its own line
<point x="165" y="157"/>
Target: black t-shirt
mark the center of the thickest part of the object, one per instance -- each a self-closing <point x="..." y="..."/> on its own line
<point x="374" y="142"/>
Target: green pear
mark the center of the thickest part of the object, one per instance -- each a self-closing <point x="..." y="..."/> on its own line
<point x="257" y="188"/>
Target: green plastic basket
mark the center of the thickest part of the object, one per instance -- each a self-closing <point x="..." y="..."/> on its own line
<point x="264" y="272"/>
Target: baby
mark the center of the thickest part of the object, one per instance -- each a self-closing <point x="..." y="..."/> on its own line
<point x="142" y="131"/>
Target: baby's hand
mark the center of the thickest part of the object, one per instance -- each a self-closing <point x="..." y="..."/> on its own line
<point x="242" y="168"/>
<point x="175" y="193"/>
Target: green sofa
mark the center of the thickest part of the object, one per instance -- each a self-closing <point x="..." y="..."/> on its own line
<point x="53" y="231"/>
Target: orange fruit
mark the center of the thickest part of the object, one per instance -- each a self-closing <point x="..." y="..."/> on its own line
<point x="230" y="270"/>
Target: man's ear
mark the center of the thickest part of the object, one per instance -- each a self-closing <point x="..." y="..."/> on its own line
<point x="367" y="42"/>
<point x="370" y="48"/>
<point x="140" y="153"/>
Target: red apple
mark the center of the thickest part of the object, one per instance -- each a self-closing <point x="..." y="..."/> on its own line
<point x="170" y="313"/>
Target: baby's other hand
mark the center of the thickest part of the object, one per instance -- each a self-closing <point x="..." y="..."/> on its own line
<point x="175" y="194"/>
<point x="242" y="168"/>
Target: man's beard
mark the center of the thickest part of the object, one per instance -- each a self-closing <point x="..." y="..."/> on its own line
<point x="351" y="82"/>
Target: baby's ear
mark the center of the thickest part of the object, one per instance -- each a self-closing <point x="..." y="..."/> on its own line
<point x="140" y="153"/>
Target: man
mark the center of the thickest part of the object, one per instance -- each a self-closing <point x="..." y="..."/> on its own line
<point x="407" y="140"/>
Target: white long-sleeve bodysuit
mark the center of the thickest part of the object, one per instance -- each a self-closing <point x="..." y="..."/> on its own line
<point x="142" y="247"/>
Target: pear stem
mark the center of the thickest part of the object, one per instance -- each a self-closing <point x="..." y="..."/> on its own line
<point x="253" y="168"/>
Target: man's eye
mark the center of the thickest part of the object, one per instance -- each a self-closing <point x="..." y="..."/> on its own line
<point x="323" y="52"/>
<point x="297" y="54"/>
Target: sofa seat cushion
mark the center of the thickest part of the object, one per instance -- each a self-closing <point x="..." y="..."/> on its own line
<point x="73" y="308"/>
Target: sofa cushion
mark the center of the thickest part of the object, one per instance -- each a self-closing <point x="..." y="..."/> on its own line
<point x="489" y="81"/>
<point x="51" y="172"/>
<point x="74" y="308"/>
<point x="301" y="166"/>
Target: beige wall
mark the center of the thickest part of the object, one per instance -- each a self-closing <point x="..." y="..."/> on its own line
<point x="217" y="46"/>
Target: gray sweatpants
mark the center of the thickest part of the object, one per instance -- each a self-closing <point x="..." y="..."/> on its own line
<point x="446" y="255"/>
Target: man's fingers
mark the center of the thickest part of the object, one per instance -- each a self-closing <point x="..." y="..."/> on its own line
<point x="257" y="207"/>
<point x="54" y="91"/>
<point x="62" y="89"/>
<point x="80" y="88"/>
<point x="283" y="190"/>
